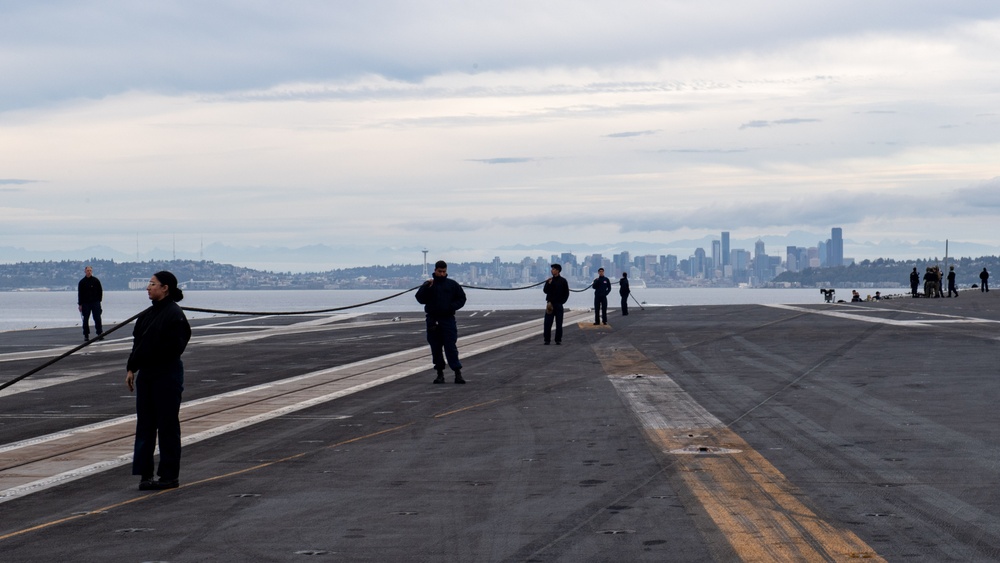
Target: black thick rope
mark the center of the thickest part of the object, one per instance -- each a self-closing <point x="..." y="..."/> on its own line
<point x="281" y="313"/>
<point x="71" y="351"/>
<point x="76" y="349"/>
<point x="333" y="309"/>
<point x="503" y="288"/>
<point x="253" y="313"/>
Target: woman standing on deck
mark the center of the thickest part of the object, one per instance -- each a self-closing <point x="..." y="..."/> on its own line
<point x="156" y="374"/>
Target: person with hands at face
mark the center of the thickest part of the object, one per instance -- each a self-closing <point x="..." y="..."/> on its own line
<point x="441" y="298"/>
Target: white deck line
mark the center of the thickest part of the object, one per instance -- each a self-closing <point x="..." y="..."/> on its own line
<point x="953" y="319"/>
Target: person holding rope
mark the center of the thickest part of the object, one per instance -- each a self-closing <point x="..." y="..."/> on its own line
<point x="624" y="291"/>
<point x="156" y="374"/>
<point x="602" y="287"/>
<point x="441" y="298"/>
<point x="556" y="290"/>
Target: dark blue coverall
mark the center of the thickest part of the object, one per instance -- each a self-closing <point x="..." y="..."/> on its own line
<point x="440" y="300"/>
<point x="160" y="336"/>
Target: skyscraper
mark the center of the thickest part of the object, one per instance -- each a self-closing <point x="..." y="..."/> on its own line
<point x="670" y="264"/>
<point x="836" y="247"/>
<point x="792" y="259"/>
<point x="725" y="248"/>
<point x="698" y="263"/>
<point x="761" y="262"/>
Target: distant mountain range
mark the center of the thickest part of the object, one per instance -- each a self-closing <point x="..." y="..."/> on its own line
<point x="322" y="257"/>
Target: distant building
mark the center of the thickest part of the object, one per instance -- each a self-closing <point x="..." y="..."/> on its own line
<point x="696" y="263"/>
<point x="836" y="247"/>
<point x="596" y="263"/>
<point x="650" y="266"/>
<point x="670" y="264"/>
<point x="716" y="256"/>
<point x="740" y="265"/>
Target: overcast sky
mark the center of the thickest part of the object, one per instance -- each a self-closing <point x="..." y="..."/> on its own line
<point x="478" y="125"/>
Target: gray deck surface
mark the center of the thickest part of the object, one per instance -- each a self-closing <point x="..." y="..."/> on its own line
<point x="838" y="432"/>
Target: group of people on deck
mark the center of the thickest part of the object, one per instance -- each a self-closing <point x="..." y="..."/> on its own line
<point x="155" y="372"/>
<point x="557" y="293"/>
<point x="932" y="278"/>
<point x="443" y="297"/>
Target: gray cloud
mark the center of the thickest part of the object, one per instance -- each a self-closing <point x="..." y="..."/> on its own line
<point x="794" y="121"/>
<point x="703" y="151"/>
<point x="503" y="160"/>
<point x="631" y="134"/>
<point x="64" y="50"/>
<point x="791" y="121"/>
<point x="447" y="225"/>
<point x="985" y="195"/>
<point x="837" y="208"/>
<point x="15" y="182"/>
<point x="823" y="209"/>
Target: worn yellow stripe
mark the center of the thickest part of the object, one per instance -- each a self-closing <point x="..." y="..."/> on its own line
<point x="746" y="498"/>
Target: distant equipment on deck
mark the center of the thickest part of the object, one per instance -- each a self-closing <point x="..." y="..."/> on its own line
<point x="828" y="294"/>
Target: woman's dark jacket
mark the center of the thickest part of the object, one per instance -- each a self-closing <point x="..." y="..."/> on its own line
<point x="161" y="333"/>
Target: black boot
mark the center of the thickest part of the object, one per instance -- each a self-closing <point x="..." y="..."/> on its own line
<point x="440" y="377"/>
<point x="458" y="376"/>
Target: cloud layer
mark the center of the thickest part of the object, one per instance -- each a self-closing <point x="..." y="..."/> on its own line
<point x="443" y="124"/>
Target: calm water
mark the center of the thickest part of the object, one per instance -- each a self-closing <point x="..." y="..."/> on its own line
<point x="26" y="310"/>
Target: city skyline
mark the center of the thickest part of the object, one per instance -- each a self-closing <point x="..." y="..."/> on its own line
<point x="325" y="257"/>
<point x="801" y="266"/>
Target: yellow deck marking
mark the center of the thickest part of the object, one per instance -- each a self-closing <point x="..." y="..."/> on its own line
<point x="463" y="409"/>
<point x="747" y="499"/>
